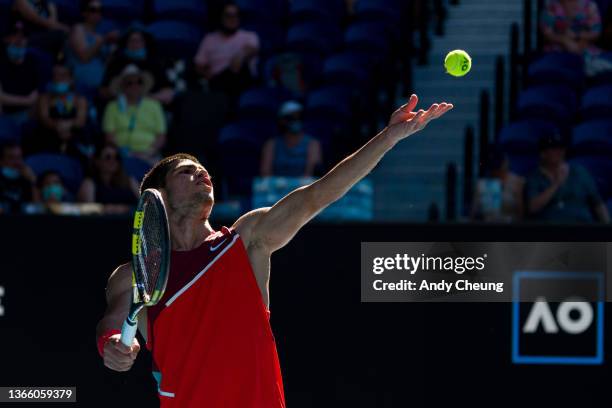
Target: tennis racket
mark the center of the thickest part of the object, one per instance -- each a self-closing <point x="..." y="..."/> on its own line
<point x="150" y="258"/>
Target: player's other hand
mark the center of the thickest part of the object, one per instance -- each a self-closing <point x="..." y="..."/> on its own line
<point x="119" y="357"/>
<point x="405" y="121"/>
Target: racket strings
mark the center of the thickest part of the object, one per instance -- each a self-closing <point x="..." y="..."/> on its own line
<point x="151" y="241"/>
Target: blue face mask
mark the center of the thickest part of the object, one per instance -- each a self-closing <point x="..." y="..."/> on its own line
<point x="10" y="173"/>
<point x="53" y="191"/>
<point x="138" y="55"/>
<point x="15" y="52"/>
<point x="294" y="126"/>
<point x="60" y="87"/>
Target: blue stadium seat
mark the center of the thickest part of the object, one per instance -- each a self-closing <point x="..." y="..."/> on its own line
<point x="557" y="68"/>
<point x="317" y="38"/>
<point x="348" y="68"/>
<point x="135" y="167"/>
<point x="68" y="168"/>
<point x="44" y="65"/>
<point x="372" y="38"/>
<point x="125" y="11"/>
<point x="271" y="36"/>
<point x="242" y="146"/>
<point x="316" y="10"/>
<point x="555" y="103"/>
<point x="519" y="140"/>
<point x="329" y="102"/>
<point x="386" y="11"/>
<point x="600" y="168"/>
<point x="176" y="39"/>
<point x="605" y="76"/>
<point x="262" y="10"/>
<point x="597" y="103"/>
<point x="8" y="130"/>
<point x="191" y="11"/>
<point x="593" y="138"/>
<point x="261" y="102"/>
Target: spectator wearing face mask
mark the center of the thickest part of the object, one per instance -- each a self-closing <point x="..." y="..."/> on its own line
<point x="293" y="154"/>
<point x="52" y="189"/>
<point x="226" y="58"/>
<point x="18" y="76"/>
<point x="137" y="47"/>
<point x="17" y="180"/>
<point x="63" y="114"/>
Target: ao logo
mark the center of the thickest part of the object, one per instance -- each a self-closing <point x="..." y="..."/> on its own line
<point x="541" y="314"/>
<point x="1" y="294"/>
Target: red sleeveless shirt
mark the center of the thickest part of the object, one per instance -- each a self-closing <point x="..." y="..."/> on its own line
<point x="210" y="334"/>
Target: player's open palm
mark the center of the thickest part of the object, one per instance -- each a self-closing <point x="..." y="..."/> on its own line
<point x="118" y="356"/>
<point x="405" y="121"/>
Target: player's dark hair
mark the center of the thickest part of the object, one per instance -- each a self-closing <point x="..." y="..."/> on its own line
<point x="156" y="177"/>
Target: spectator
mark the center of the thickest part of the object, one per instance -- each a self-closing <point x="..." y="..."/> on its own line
<point x="574" y="26"/>
<point x="52" y="189"/>
<point x="294" y="154"/>
<point x="40" y="16"/>
<point x="63" y="115"/>
<point x="227" y="57"/>
<point x="499" y="196"/>
<point x="18" y="76"/>
<point x="133" y="121"/>
<point x="137" y="47"/>
<point x="88" y="49"/>
<point x="559" y="192"/>
<point x="108" y="183"/>
<point x="17" y="180"/>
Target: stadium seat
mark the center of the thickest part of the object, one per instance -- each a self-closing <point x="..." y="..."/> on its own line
<point x="8" y="130"/>
<point x="372" y="38"/>
<point x="125" y="11"/>
<point x="604" y="76"/>
<point x="261" y="102"/>
<point x="557" y="68"/>
<point x="348" y="68"/>
<point x="385" y="11"/>
<point x="317" y="38"/>
<point x="176" y="39"/>
<point x="191" y="11"/>
<point x="262" y="10"/>
<point x="271" y="36"/>
<point x="135" y="167"/>
<point x="593" y="138"/>
<point x="597" y="103"/>
<point x="329" y="102"/>
<point x="600" y="168"/>
<point x="316" y="10"/>
<point x="68" y="168"/>
<point x="519" y="140"/>
<point x="243" y="147"/>
<point x="555" y="103"/>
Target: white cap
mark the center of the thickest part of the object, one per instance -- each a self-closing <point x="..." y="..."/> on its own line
<point x="289" y="108"/>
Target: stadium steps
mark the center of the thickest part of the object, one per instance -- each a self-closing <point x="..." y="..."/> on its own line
<point x="413" y="175"/>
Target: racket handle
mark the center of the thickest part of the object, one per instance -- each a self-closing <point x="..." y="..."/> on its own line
<point x="128" y="332"/>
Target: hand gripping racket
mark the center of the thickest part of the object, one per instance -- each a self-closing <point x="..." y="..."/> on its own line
<point x="150" y="258"/>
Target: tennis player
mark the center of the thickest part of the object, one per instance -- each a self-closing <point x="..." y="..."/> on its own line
<point x="210" y="335"/>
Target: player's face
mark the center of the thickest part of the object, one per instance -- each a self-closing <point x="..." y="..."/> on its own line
<point x="189" y="186"/>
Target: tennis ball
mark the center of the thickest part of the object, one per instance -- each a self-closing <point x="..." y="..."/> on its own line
<point x="457" y="63"/>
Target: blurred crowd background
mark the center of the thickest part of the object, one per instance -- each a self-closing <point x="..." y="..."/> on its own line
<point x="270" y="94"/>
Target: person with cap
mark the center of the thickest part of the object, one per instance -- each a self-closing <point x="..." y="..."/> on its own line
<point x="134" y="121"/>
<point x="294" y="153"/>
<point x="137" y="47"/>
<point x="18" y="76"/>
<point x="560" y="192"/>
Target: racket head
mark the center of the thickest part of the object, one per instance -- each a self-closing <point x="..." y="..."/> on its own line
<point x="150" y="248"/>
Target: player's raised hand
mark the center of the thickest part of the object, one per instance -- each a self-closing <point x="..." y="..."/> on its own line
<point x="405" y="121"/>
<point x="119" y="357"/>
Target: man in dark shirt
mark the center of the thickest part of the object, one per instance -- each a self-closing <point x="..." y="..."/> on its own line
<point x="18" y="75"/>
<point x="559" y="192"/>
<point x="17" y="180"/>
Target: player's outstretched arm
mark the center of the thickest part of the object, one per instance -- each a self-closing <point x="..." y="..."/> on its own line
<point x="274" y="227"/>
<point x="116" y="355"/>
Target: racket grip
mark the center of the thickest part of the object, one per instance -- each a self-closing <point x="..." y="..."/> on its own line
<point x="128" y="332"/>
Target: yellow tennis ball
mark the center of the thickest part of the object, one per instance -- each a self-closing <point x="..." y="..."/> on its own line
<point x="457" y="63"/>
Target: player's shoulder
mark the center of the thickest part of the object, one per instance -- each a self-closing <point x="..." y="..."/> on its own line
<point x="122" y="272"/>
<point x="245" y="225"/>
